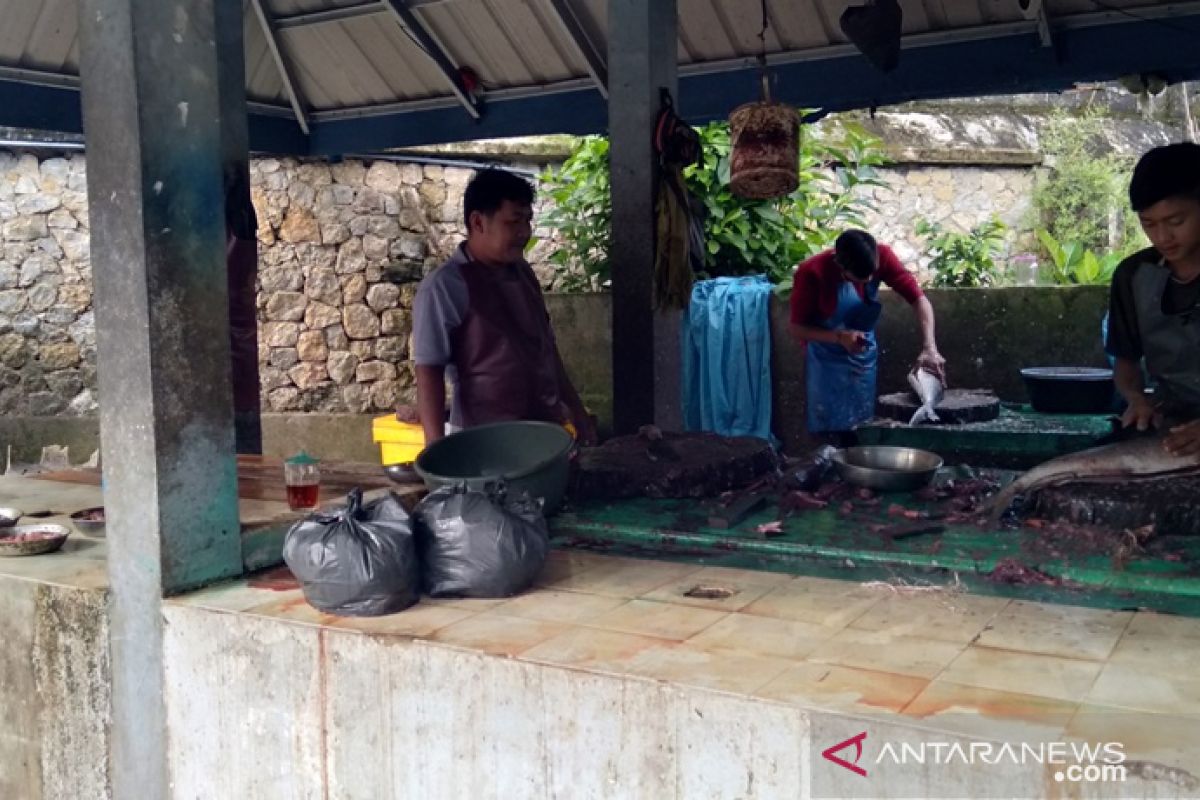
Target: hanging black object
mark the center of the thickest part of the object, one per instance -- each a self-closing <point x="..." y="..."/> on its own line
<point x="675" y="141"/>
<point x="677" y="145"/>
<point x="875" y="30"/>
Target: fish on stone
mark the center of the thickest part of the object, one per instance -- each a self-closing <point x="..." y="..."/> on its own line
<point x="1141" y="458"/>
<point x="929" y="390"/>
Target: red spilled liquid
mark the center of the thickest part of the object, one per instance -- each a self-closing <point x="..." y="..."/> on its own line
<point x="303" y="498"/>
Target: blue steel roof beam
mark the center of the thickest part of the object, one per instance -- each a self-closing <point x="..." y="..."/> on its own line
<point x="424" y="39"/>
<point x="286" y="73"/>
<point x="331" y="15"/>
<point x="593" y="55"/>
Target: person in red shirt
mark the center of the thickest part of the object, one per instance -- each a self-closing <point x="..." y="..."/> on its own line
<point x="834" y="311"/>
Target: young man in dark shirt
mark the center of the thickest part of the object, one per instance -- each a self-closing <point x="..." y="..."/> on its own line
<point x="1154" y="311"/>
<point x="480" y="320"/>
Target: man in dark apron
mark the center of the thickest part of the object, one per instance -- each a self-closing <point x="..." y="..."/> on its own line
<point x="480" y="320"/>
<point x="834" y="312"/>
<point x="1154" y="306"/>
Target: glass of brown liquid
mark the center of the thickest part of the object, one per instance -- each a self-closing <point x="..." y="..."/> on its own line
<point x="302" y="478"/>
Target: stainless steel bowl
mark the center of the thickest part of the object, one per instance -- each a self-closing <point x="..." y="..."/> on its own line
<point x="85" y="524"/>
<point x="50" y="537"/>
<point x="887" y="469"/>
<point x="9" y="517"/>
<point x="402" y="473"/>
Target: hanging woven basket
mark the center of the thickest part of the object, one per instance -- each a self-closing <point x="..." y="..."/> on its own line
<point x="765" y="140"/>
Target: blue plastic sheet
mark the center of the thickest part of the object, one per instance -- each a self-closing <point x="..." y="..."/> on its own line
<point x="727" y="357"/>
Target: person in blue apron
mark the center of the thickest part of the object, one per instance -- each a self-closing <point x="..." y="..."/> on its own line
<point x="1154" y="303"/>
<point x="835" y="309"/>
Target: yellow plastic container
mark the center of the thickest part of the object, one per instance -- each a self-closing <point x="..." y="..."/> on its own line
<point x="399" y="442"/>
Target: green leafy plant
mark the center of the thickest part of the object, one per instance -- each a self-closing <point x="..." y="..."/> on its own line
<point x="580" y="213"/>
<point x="772" y="236"/>
<point x="963" y="260"/>
<point x="741" y="236"/>
<point x="1072" y="263"/>
<point x="1082" y="197"/>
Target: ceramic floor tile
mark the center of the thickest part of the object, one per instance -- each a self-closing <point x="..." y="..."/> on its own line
<point x="1148" y="623"/>
<point x="563" y="564"/>
<point x="989" y="714"/>
<point x="762" y="577"/>
<point x="236" y="596"/>
<point x="589" y="648"/>
<point x="1155" y="654"/>
<point x="660" y="620"/>
<point x="763" y="636"/>
<point x="565" y="607"/>
<point x="724" y="672"/>
<point x="497" y="634"/>
<point x="1058" y="678"/>
<point x="292" y="606"/>
<point x="414" y="621"/>
<point x="1067" y="631"/>
<point x="824" y="602"/>
<point x="1168" y="743"/>
<point x="1132" y="686"/>
<point x="721" y="594"/>
<point x="626" y="578"/>
<point x="647" y="657"/>
<point x="476" y="604"/>
<point x="955" y="617"/>
<point x="884" y="652"/>
<point x="835" y="688"/>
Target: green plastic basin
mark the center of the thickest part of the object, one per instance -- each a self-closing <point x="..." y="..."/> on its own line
<point x="533" y="456"/>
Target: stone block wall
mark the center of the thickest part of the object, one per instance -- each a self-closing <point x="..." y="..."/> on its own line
<point x="341" y="249"/>
<point x="47" y="334"/>
<point x="958" y="197"/>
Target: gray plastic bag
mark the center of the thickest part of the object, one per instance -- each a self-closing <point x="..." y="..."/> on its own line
<point x="360" y="562"/>
<point x="480" y="544"/>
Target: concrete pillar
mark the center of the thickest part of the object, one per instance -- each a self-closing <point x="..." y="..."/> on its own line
<point x="151" y="114"/>
<point x="642" y="45"/>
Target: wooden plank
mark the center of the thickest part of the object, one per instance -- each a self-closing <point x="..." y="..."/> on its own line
<point x="261" y="478"/>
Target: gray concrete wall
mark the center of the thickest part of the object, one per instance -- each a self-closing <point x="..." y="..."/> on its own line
<point x="270" y="708"/>
<point x="54" y="692"/>
<point x="986" y="335"/>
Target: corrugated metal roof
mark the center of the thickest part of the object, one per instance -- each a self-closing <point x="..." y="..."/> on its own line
<point x="351" y="58"/>
<point x="368" y="60"/>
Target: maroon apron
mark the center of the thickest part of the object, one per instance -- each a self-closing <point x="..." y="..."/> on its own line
<point x="504" y="350"/>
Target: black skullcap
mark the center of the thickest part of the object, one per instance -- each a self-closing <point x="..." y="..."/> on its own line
<point x="1168" y="171"/>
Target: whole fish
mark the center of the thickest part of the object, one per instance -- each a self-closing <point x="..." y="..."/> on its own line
<point x="1140" y="458"/>
<point x="929" y="390"/>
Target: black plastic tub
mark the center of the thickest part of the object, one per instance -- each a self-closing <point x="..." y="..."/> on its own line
<point x="1070" y="390"/>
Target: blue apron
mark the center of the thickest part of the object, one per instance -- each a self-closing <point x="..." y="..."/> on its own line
<point x="841" y="386"/>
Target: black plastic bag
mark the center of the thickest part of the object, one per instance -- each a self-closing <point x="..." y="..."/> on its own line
<point x="480" y="544"/>
<point x="361" y="562"/>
